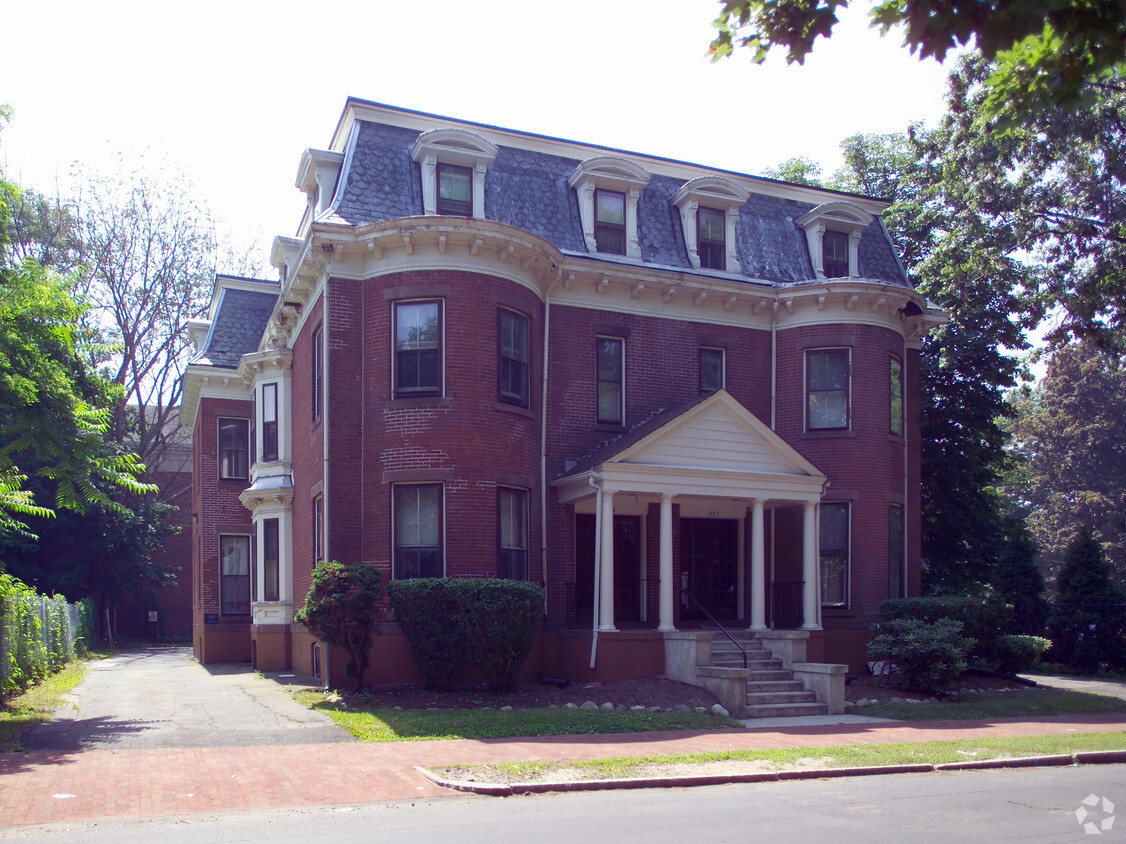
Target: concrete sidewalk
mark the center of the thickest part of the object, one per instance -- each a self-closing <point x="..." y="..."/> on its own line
<point x="57" y="786"/>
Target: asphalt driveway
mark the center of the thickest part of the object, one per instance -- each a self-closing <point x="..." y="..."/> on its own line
<point x="160" y="697"/>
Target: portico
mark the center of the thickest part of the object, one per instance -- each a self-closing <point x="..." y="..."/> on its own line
<point x="712" y="457"/>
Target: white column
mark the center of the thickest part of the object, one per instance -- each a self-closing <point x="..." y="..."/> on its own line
<point x="667" y="602"/>
<point x="606" y="584"/>
<point x="758" y="568"/>
<point x="810" y="569"/>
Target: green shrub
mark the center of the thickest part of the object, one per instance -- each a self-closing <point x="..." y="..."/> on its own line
<point x="36" y="638"/>
<point x="925" y="656"/>
<point x="341" y="608"/>
<point x="983" y="617"/>
<point x="1013" y="654"/>
<point x="488" y="624"/>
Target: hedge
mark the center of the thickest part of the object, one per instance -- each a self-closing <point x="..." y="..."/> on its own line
<point x="983" y="618"/>
<point x="38" y="635"/>
<point x="488" y="624"/>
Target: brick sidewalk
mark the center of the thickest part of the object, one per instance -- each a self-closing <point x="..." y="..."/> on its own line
<point x="46" y="787"/>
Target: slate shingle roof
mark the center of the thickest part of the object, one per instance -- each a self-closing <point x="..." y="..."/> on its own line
<point x="240" y="319"/>
<point x="529" y="190"/>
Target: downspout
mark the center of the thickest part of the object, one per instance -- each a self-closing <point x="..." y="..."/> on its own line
<point x="773" y="427"/>
<point x="324" y="440"/>
<point x="543" y="441"/>
<point x="904" y="588"/>
<point x="597" y="569"/>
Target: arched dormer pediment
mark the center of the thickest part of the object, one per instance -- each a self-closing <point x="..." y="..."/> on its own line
<point x="718" y="194"/>
<point x="458" y="148"/>
<point x="316" y="177"/>
<point x="836" y="218"/>
<point x="612" y="175"/>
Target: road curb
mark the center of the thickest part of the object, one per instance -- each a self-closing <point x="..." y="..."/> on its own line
<point x="1093" y="757"/>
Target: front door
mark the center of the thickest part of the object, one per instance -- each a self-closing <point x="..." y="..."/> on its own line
<point x="709" y="562"/>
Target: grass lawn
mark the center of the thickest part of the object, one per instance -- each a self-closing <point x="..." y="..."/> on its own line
<point x="427" y="724"/>
<point x="1024" y="703"/>
<point x="786" y="759"/>
<point x="36" y="704"/>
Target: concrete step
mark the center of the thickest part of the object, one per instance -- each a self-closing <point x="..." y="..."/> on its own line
<point x="770" y="674"/>
<point x="736" y="661"/>
<point x="786" y="710"/>
<point x="765" y="686"/>
<point x="756" y="698"/>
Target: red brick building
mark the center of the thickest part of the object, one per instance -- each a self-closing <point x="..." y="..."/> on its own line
<point x="670" y="394"/>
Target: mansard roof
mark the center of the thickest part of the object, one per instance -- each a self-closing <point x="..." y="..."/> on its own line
<point x="526" y="186"/>
<point x="239" y="315"/>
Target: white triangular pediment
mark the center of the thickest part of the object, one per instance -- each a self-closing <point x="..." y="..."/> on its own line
<point x="718" y="433"/>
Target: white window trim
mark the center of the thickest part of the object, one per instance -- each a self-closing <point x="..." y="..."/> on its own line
<point x="452" y="146"/>
<point x="839" y="216"/>
<point x="805" y="386"/>
<point x="615" y="174"/>
<point x="710" y="192"/>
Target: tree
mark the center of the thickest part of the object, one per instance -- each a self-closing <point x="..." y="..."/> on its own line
<point x="53" y="406"/>
<point x="151" y="256"/>
<point x="1089" y="617"/>
<point x="1071" y="431"/>
<point x="797" y="171"/>
<point x="341" y="608"/>
<point x="1046" y="51"/>
<point x="1017" y="578"/>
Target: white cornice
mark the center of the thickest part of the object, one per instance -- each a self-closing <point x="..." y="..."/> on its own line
<point x="485" y="246"/>
<point x="208" y="382"/>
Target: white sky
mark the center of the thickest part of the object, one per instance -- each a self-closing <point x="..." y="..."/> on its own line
<point x="232" y="92"/>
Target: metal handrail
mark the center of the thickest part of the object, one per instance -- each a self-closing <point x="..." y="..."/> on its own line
<point x="715" y="621"/>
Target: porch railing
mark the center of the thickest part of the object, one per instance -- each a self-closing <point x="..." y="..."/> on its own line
<point x="715" y="621"/>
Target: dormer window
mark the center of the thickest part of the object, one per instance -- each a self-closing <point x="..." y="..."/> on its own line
<point x="608" y="192"/>
<point x="455" y="190"/>
<point x="832" y="232"/>
<point x="834" y="251"/>
<point x="709" y="208"/>
<point x="454" y="163"/>
<point x="711" y="239"/>
<point x="610" y="222"/>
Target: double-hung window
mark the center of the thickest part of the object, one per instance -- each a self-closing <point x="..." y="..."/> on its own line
<point x="234" y="575"/>
<point x="834" y="553"/>
<point x="896" y="554"/>
<point x="318" y="366"/>
<point x="611" y="380"/>
<point x="711" y="238"/>
<point x="270" y="561"/>
<point x="513" y="352"/>
<point x="512" y="517"/>
<point x="834" y="254"/>
<point x="455" y="190"/>
<point x="610" y="221"/>
<point x="418" y="530"/>
<point x="896" y="385"/>
<point x="269" y="422"/>
<point x="827" y="389"/>
<point x="418" y="348"/>
<point x="318" y="529"/>
<point x="711" y="369"/>
<point x="234" y="449"/>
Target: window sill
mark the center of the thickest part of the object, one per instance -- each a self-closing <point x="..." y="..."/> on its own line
<point x="507" y="407"/>
<point x="819" y="434"/>
<point x="419" y="401"/>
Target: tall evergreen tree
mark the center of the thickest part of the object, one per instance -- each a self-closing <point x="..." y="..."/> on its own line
<point x="1088" y="623"/>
